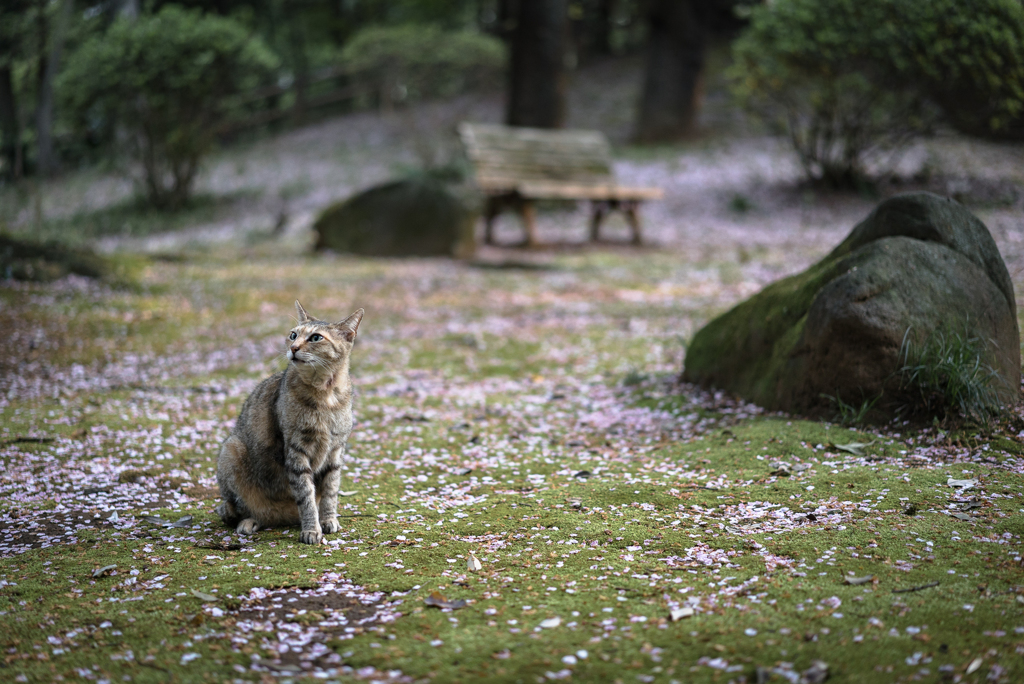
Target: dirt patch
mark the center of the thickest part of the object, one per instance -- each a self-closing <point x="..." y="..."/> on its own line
<point x="972" y="191"/>
<point x="201" y="493"/>
<point x="298" y="605"/>
<point x="307" y="620"/>
<point x="21" y="530"/>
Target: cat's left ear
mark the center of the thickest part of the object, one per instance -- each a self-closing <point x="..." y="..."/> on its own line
<point x="349" y="326"/>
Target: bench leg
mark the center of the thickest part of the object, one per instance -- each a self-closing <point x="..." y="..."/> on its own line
<point x="491" y="211"/>
<point x="631" y="209"/>
<point x="529" y="215"/>
<point x="600" y="210"/>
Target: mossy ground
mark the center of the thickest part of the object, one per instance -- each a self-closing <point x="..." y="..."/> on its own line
<point x="529" y="417"/>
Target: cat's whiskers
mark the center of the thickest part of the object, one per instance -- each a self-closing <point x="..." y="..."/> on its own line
<point x="316" y="362"/>
<point x="328" y="369"/>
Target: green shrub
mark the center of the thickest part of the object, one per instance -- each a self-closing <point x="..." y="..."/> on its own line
<point x="164" y="77"/>
<point x="970" y="58"/>
<point x="419" y="61"/>
<point x="852" y="81"/>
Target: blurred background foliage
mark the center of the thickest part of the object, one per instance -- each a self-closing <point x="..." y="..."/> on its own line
<point x="150" y="86"/>
<point x="162" y="78"/>
<point x="416" y="61"/>
<point x="853" y="81"/>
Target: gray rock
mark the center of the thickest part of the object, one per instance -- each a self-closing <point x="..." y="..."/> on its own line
<point x="411" y="217"/>
<point x="919" y="265"/>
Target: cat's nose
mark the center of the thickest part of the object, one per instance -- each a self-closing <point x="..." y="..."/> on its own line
<point x="295" y="348"/>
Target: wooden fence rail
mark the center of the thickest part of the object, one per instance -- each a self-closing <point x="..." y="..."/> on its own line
<point x="263" y="103"/>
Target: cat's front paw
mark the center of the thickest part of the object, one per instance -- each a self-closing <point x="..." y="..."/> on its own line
<point x="248" y="526"/>
<point x="330" y="526"/>
<point x="311" y="536"/>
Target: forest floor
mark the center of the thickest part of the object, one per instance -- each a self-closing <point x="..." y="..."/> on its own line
<point x="520" y="409"/>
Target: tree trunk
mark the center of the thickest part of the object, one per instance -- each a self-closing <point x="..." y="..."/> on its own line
<point x="675" y="59"/>
<point x="46" y="159"/>
<point x="10" y="136"/>
<point x="537" y="75"/>
<point x="602" y="44"/>
<point x="592" y="29"/>
<point x="298" y="58"/>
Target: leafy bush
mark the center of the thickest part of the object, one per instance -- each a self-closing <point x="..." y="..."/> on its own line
<point x="420" y="61"/>
<point x="970" y="58"/>
<point x="852" y="79"/>
<point x="163" y="77"/>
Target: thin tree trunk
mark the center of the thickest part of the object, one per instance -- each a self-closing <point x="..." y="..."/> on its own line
<point x="10" y="135"/>
<point x="603" y="34"/>
<point x="46" y="159"/>
<point x="300" y="64"/>
<point x="537" y="75"/>
<point x="590" y="29"/>
<point x="672" y="87"/>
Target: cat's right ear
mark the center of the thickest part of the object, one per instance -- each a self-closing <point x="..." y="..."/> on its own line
<point x="303" y="316"/>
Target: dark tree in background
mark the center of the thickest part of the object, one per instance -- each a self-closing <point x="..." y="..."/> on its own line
<point x="537" y="36"/>
<point x="679" y="33"/>
<point x="10" y="136"/>
<point x="675" y="59"/>
<point x="591" y="27"/>
<point x="49" y="64"/>
<point x="11" y="24"/>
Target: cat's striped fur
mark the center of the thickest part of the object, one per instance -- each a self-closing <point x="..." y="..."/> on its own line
<point x="281" y="463"/>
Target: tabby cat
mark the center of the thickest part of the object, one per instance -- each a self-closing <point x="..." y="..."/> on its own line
<point x="281" y="463"/>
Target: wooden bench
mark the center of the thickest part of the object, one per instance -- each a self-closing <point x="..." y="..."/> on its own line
<point x="515" y="166"/>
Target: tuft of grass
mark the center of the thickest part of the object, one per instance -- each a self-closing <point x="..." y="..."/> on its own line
<point x="849" y="414"/>
<point x="946" y="374"/>
<point x="740" y="203"/>
<point x="634" y="377"/>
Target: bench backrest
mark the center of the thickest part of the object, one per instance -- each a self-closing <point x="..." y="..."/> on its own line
<point x="506" y="157"/>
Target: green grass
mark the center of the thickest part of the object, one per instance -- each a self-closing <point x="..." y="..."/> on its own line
<point x="455" y="372"/>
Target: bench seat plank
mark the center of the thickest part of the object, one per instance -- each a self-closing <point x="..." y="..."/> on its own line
<point x="540" y="190"/>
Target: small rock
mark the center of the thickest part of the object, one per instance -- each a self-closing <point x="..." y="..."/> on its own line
<point x="816" y="673"/>
<point x="681" y="613"/>
<point x="474" y="564"/>
<point x="856" y="581"/>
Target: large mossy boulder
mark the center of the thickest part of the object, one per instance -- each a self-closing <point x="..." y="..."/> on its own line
<point x="411" y="217"/>
<point x="31" y="260"/>
<point x="918" y="268"/>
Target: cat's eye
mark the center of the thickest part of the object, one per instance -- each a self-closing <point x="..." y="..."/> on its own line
<point x="292" y="336"/>
<point x="316" y="338"/>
